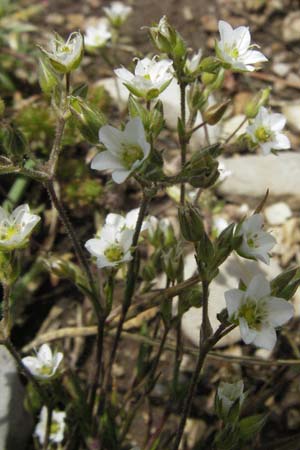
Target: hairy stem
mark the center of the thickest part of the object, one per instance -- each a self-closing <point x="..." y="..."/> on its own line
<point x="203" y="351"/>
<point x="48" y="429"/>
<point x="76" y="245"/>
<point x="6" y="307"/>
<point x="12" y="350"/>
<point x="130" y="281"/>
<point x="183" y="140"/>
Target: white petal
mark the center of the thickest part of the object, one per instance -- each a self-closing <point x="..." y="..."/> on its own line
<point x="132" y="217"/>
<point x="119" y="176"/>
<point x="126" y="239"/>
<point x="115" y="220"/>
<point x="278" y="122"/>
<point x="102" y="261"/>
<point x="266" y="148"/>
<point x="253" y="57"/>
<point x="45" y="353"/>
<point x="134" y="130"/>
<point x="265" y="338"/>
<point x="19" y="211"/>
<point x="105" y="161"/>
<point x="124" y="74"/>
<point x="248" y="335"/>
<point x="253" y="223"/>
<point x="258" y="287"/>
<point x="242" y="38"/>
<point x="233" y="300"/>
<point x="112" y="138"/>
<point x="226" y="31"/>
<point x="282" y="142"/>
<point x="58" y="357"/>
<point x="95" y="246"/>
<point x="32" y="364"/>
<point x="127" y="257"/>
<point x="279" y="311"/>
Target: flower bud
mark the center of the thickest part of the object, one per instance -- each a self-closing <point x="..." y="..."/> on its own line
<point x="167" y="39"/>
<point x="14" y="143"/>
<point x="260" y="99"/>
<point x="89" y="119"/>
<point x="2" y="107"/>
<point x="196" y="98"/>
<point x="210" y="65"/>
<point x="65" y="56"/>
<point x="202" y="170"/>
<point x="192" y="65"/>
<point x="228" y="396"/>
<point x="163" y="36"/>
<point x="48" y="79"/>
<point x="9" y="270"/>
<point x="191" y="224"/>
<point x="173" y="262"/>
<point x="215" y="112"/>
<point x="213" y="81"/>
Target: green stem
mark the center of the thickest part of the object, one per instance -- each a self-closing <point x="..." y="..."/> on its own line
<point x="236" y="130"/>
<point x="6" y="307"/>
<point x="48" y="428"/>
<point x="131" y="277"/>
<point x="204" y="348"/>
<point x="12" y="350"/>
<point x="183" y="141"/>
<point x="56" y="148"/>
<point x="77" y="247"/>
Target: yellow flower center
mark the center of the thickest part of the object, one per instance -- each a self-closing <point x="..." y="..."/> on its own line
<point x="55" y="427"/>
<point x="234" y="53"/>
<point x="45" y="370"/>
<point x="251" y="241"/>
<point x="7" y="232"/>
<point x="130" y="154"/>
<point x="253" y="313"/>
<point x="114" y="253"/>
<point x="262" y="134"/>
<point x="65" y="49"/>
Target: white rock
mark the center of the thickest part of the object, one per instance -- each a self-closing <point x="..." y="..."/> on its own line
<point x="230" y="125"/>
<point x="252" y="175"/>
<point x="291" y="111"/>
<point x="15" y="422"/>
<point x="231" y="271"/>
<point x="281" y="69"/>
<point x="291" y="27"/>
<point x="278" y="213"/>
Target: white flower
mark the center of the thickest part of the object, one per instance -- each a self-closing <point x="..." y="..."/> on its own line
<point x="15" y="228"/>
<point x="229" y="393"/>
<point x="219" y="224"/>
<point x="117" y="13"/>
<point x="266" y="129"/>
<point x="65" y="56"/>
<point x="224" y="173"/>
<point x="150" y="77"/>
<point x="191" y="66"/>
<point x="257" y="312"/>
<point x="112" y="247"/>
<point x="45" y="364"/>
<point x="128" y="222"/>
<point x="96" y="36"/>
<point x="234" y="48"/>
<point x="256" y="243"/>
<point x="126" y="150"/>
<point x="57" y="428"/>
